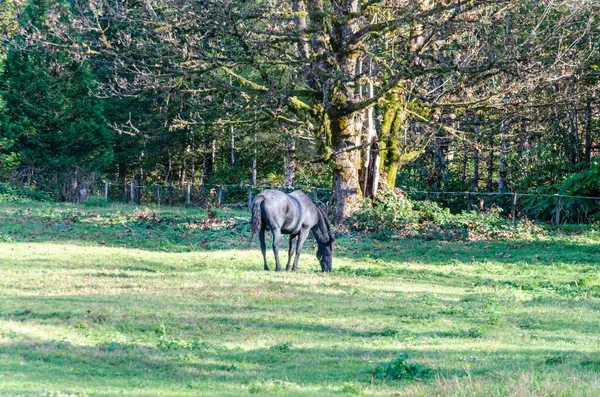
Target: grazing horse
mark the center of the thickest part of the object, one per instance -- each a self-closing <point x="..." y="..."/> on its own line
<point x="294" y="214"/>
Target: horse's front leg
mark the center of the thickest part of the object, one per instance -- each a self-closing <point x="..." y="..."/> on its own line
<point x="276" y="240"/>
<point x="263" y="246"/>
<point x="301" y="239"/>
<point x="290" y="251"/>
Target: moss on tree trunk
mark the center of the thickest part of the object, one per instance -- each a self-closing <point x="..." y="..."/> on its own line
<point x="394" y="121"/>
<point x="346" y="134"/>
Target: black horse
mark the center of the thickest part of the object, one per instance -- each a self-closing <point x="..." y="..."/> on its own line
<point x="294" y="214"/>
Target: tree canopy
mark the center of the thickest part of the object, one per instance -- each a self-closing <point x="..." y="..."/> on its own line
<point x="410" y="93"/>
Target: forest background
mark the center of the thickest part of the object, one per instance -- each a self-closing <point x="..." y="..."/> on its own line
<point x="463" y="96"/>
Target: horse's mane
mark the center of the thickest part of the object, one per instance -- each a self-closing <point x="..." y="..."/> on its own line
<point x="327" y="224"/>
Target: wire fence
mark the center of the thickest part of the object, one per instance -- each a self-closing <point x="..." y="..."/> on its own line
<point x="191" y="194"/>
<point x="555" y="208"/>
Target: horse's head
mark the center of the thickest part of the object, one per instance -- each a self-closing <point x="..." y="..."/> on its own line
<point x="325" y="254"/>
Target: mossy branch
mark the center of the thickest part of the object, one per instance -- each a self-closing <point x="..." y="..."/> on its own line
<point x="243" y="80"/>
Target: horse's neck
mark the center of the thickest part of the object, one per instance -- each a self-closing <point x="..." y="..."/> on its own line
<point x="322" y="232"/>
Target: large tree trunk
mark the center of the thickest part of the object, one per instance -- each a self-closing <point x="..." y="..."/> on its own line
<point x="346" y="128"/>
<point x="346" y="187"/>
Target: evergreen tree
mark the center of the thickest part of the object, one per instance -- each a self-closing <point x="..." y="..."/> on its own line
<point x="51" y="119"/>
<point x="8" y="27"/>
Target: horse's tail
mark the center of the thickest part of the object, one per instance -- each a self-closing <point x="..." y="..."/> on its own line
<point x="256" y="216"/>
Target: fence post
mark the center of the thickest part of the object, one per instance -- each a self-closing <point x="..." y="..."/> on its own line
<point x="158" y="194"/>
<point x="514" y="207"/>
<point x="249" y="196"/>
<point x="170" y="193"/>
<point x="220" y="198"/>
<point x="557" y="215"/>
<point x="315" y="194"/>
<point x="106" y="185"/>
<point x="187" y="193"/>
<point x="132" y="190"/>
<point x="469" y="201"/>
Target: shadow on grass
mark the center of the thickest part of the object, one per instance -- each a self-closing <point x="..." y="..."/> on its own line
<point x="392" y="317"/>
<point x="126" y="364"/>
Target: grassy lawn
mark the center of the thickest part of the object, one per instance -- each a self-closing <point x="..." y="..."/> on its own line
<point x="111" y="302"/>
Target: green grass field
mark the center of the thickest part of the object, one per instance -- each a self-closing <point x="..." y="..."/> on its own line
<point x="102" y="302"/>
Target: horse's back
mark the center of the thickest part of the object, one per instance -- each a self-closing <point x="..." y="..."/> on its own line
<point x="272" y="195"/>
<point x="290" y="212"/>
<point x="302" y="198"/>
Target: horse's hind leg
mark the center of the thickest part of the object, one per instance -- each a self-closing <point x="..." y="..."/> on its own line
<point x="290" y="251"/>
<point x="276" y="240"/>
<point x="263" y="246"/>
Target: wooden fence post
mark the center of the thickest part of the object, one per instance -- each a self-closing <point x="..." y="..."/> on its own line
<point x="157" y="194"/>
<point x="170" y="193"/>
<point x="469" y="201"/>
<point x="557" y="215"/>
<point x="188" y="187"/>
<point x="220" y="198"/>
<point x="106" y="185"/>
<point x="315" y="194"/>
<point x="132" y="190"/>
<point x="514" y="207"/>
<point x="249" y="196"/>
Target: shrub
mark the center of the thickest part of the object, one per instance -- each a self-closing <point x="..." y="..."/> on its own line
<point x="96" y="201"/>
<point x="388" y="213"/>
<point x="392" y="215"/>
<point x="400" y="369"/>
<point x="430" y="211"/>
<point x="21" y="194"/>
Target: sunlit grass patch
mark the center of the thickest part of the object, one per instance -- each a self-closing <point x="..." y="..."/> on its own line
<point x="94" y="301"/>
